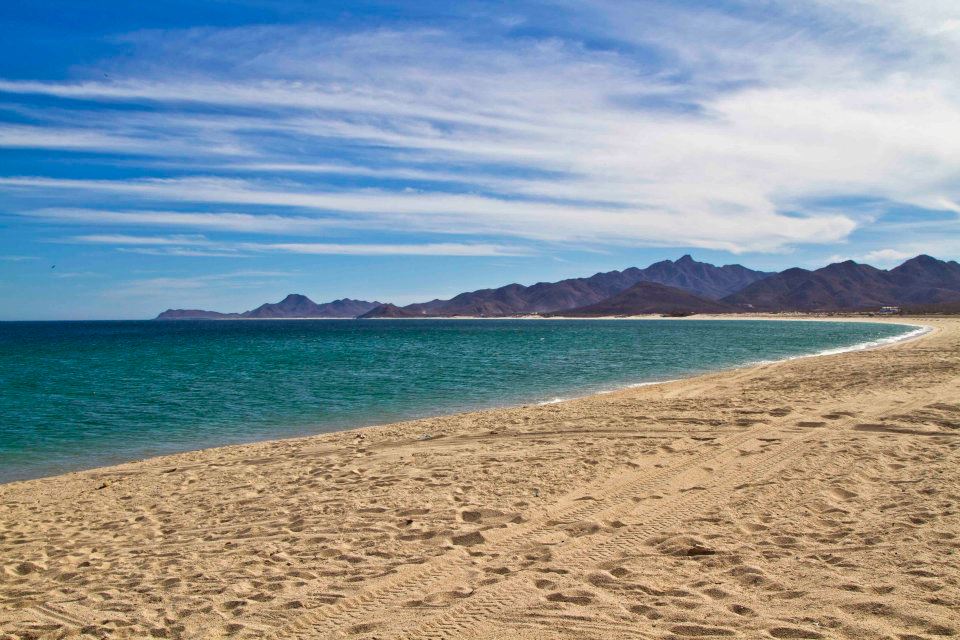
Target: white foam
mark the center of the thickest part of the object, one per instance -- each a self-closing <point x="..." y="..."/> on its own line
<point x="919" y="330"/>
<point x="645" y="384"/>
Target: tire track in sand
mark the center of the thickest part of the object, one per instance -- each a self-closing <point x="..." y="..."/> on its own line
<point x="615" y="500"/>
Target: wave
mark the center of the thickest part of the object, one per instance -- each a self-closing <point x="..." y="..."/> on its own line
<point x="919" y="330"/>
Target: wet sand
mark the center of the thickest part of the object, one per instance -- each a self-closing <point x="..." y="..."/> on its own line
<point x="815" y="498"/>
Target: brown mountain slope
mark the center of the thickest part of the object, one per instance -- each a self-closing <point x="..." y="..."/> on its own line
<point x="699" y="278"/>
<point x="650" y="297"/>
<point x="293" y="306"/>
<point x="849" y="285"/>
<point x="389" y="311"/>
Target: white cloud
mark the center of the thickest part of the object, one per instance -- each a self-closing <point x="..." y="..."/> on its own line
<point x="886" y="257"/>
<point x="722" y="140"/>
<point x="55" y="138"/>
<point x="735" y="229"/>
<point x="199" y="285"/>
<point x="116" y="238"/>
<point x="198" y="245"/>
<point x="427" y="249"/>
<point x="881" y="258"/>
<point x="224" y="221"/>
<point x="183" y="252"/>
<point x="121" y="142"/>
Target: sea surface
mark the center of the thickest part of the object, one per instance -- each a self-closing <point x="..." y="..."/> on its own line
<point x="77" y="395"/>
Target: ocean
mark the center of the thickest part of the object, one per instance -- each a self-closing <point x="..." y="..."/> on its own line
<point x="76" y="395"/>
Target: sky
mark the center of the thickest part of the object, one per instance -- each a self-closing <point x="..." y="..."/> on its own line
<point x="218" y="155"/>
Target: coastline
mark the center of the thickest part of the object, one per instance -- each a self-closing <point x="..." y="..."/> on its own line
<point x="797" y="315"/>
<point x="919" y="331"/>
<point x="721" y="504"/>
<point x="574" y="394"/>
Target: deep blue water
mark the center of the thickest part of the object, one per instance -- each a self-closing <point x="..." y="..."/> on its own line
<point x="83" y="394"/>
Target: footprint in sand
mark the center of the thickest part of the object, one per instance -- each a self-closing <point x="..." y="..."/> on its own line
<point x="842" y="494"/>
<point x="700" y="631"/>
<point x="790" y="633"/>
<point x="572" y="597"/>
<point x="648" y="612"/>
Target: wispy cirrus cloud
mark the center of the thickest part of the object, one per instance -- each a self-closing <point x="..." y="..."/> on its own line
<point x="78" y="139"/>
<point x="428" y="249"/>
<point x="458" y="213"/>
<point x="175" y="240"/>
<point x="198" y="245"/>
<point x="692" y="126"/>
<point x="196" y="284"/>
<point x="98" y="138"/>
<point x="220" y="221"/>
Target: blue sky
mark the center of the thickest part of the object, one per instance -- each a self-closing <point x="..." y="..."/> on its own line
<point x="221" y="154"/>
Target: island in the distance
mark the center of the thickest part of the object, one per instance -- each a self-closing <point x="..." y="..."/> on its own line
<point x="681" y="287"/>
<point x="294" y="305"/>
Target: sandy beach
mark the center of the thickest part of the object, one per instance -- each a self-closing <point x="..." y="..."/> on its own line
<point x="813" y="498"/>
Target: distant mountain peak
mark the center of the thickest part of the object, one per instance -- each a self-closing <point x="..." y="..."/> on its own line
<point x="698" y="278"/>
<point x="294" y="305"/>
<point x="926" y="262"/>
<point x="388" y="311"/>
<point x="651" y="298"/>
<point x="851" y="285"/>
<point x="847" y="266"/>
<point x="684" y="285"/>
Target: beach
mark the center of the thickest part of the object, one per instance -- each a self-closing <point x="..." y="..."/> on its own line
<point x="810" y="498"/>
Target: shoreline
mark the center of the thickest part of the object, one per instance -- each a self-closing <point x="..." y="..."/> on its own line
<point x="717" y="505"/>
<point x="919" y="331"/>
<point x="792" y="315"/>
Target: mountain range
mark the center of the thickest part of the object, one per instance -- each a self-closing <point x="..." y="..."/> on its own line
<point x="680" y="287"/>
<point x="850" y="285"/>
<point x="293" y="306"/>
<point x="651" y="297"/>
<point x="699" y="278"/>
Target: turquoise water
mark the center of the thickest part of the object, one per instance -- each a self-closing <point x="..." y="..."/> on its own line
<point x="83" y="394"/>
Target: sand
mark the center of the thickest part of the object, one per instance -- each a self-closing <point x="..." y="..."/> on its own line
<point x="816" y="498"/>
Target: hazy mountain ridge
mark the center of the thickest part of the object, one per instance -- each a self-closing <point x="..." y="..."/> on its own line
<point x="196" y="314"/>
<point x="699" y="278"/>
<point x="294" y="305"/>
<point x="650" y="298"/>
<point x="390" y="311"/>
<point x="682" y="286"/>
<point x="850" y="285"/>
